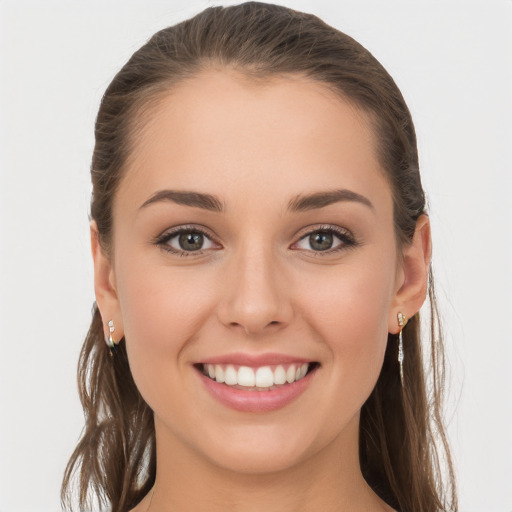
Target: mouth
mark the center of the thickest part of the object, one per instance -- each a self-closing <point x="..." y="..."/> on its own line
<point x="260" y="378"/>
<point x="256" y="383"/>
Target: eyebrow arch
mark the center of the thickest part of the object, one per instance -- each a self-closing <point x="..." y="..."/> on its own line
<point x="299" y="203"/>
<point x="303" y="203"/>
<point x="187" y="198"/>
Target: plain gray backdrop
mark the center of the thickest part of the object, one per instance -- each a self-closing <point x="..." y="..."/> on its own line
<point x="453" y="63"/>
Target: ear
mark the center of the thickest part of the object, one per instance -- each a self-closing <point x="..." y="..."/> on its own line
<point x="104" y="287"/>
<point x="412" y="278"/>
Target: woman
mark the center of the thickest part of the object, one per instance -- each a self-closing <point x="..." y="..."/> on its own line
<point x="261" y="252"/>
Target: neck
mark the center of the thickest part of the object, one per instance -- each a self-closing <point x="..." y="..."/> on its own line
<point x="330" y="480"/>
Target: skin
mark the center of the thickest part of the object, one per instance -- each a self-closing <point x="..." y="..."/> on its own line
<point x="257" y="287"/>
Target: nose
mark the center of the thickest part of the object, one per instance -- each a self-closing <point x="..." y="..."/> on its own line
<point x="255" y="297"/>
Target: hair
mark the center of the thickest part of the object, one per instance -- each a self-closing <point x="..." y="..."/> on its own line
<point x="403" y="449"/>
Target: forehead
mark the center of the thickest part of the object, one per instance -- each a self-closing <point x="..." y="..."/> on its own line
<point x="224" y="133"/>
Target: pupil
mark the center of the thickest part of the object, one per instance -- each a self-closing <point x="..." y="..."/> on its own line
<point x="191" y="241"/>
<point x="321" y="241"/>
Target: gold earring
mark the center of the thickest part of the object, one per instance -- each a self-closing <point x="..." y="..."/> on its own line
<point x="111" y="344"/>
<point x="402" y="321"/>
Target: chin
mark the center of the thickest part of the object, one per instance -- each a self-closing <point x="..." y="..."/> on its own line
<point x="261" y="461"/>
<point x="258" y="449"/>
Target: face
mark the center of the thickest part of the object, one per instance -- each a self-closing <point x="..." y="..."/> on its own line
<point x="253" y="236"/>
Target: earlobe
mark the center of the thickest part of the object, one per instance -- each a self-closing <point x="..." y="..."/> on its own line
<point x="415" y="271"/>
<point x="104" y="284"/>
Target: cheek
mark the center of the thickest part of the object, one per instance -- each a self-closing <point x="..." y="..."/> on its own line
<point x="162" y="313"/>
<point x="349" y="313"/>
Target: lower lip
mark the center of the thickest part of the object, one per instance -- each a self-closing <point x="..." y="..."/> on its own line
<point x="257" y="401"/>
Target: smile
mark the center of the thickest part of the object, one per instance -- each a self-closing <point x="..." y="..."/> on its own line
<point x="256" y="388"/>
<point x="263" y="378"/>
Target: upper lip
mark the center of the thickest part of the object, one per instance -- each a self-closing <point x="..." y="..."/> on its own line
<point x="254" y="360"/>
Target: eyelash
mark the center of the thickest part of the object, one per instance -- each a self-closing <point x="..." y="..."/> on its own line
<point x="162" y="240"/>
<point x="345" y="237"/>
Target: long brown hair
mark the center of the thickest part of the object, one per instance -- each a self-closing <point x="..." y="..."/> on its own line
<point x="402" y="443"/>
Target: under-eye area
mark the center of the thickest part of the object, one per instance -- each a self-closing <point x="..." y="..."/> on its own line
<point x="262" y="378"/>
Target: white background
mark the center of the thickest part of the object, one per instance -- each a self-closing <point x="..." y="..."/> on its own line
<point x="453" y="62"/>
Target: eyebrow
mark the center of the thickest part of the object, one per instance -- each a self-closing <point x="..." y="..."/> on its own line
<point x="187" y="198"/>
<point x="300" y="203"/>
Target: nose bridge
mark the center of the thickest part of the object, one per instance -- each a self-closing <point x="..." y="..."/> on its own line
<point x="254" y="295"/>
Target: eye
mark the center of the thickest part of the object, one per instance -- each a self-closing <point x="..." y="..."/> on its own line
<point x="325" y="240"/>
<point x="186" y="240"/>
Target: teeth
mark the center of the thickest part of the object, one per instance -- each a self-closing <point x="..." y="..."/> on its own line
<point x="230" y="376"/>
<point x="279" y="375"/>
<point x="246" y="377"/>
<point x="219" y="373"/>
<point x="262" y="377"/>
<point x="290" y="374"/>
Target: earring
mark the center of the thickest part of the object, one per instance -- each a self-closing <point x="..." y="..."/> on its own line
<point x="111" y="344"/>
<point x="402" y="321"/>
